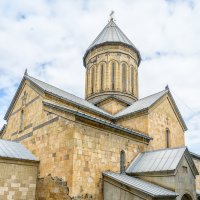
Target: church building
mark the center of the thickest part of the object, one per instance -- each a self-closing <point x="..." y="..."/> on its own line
<point x="112" y="145"/>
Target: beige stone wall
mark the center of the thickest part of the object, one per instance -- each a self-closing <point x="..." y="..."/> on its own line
<point x="197" y="164"/>
<point x="112" y="106"/>
<point x="161" y="117"/>
<point x="136" y="122"/>
<point x="32" y="112"/>
<point x="17" y="180"/>
<point x="106" y="56"/>
<point x="97" y="150"/>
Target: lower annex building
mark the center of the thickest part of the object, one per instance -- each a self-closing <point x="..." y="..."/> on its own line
<point x="110" y="145"/>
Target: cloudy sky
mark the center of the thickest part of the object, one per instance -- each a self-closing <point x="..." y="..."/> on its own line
<point x="49" y="38"/>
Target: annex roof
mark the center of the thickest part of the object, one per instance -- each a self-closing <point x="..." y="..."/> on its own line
<point x="141" y="185"/>
<point x="9" y="149"/>
<point x="164" y="160"/>
<point x="111" y="34"/>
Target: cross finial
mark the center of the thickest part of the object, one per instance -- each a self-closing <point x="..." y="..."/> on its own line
<point x="167" y="87"/>
<point x="112" y="15"/>
<point x="26" y="72"/>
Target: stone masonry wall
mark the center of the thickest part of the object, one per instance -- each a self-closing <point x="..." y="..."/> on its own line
<point x="17" y="180"/>
<point x="95" y="151"/>
<point x="161" y="117"/>
<point x="197" y="164"/>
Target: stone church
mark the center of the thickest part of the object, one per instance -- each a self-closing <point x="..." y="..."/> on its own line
<point x="112" y="145"/>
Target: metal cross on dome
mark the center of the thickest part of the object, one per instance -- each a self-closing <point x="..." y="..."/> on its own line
<point x="112" y="15"/>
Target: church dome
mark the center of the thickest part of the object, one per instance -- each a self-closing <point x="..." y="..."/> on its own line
<point x="111" y="34"/>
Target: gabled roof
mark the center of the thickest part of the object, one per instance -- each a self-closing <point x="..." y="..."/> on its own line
<point x="158" y="161"/>
<point x="146" y="102"/>
<point x="105" y="123"/>
<point x="142" y="104"/>
<point x="141" y="185"/>
<point x="194" y="155"/>
<point x="137" y="106"/>
<point x="111" y="34"/>
<point x="54" y="91"/>
<point x="15" y="150"/>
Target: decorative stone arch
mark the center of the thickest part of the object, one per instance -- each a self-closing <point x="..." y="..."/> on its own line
<point x="186" y="196"/>
<point x="92" y="78"/>
<point x="132" y="78"/>
<point x="113" y="64"/>
<point x="124" y="68"/>
<point x="101" y="75"/>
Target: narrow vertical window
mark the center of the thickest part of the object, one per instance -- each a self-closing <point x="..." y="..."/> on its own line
<point x="167" y="138"/>
<point x="122" y="161"/>
<point x="21" y="119"/>
<point x="113" y="76"/>
<point x="132" y="79"/>
<point x="124" y="77"/>
<point x="92" y="80"/>
<point x="102" y="76"/>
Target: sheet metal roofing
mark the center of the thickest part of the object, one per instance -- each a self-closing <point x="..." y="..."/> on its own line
<point x="65" y="95"/>
<point x="15" y="150"/>
<point x="111" y="34"/>
<point x="141" y="185"/>
<point x="156" y="161"/>
<point x="142" y="104"/>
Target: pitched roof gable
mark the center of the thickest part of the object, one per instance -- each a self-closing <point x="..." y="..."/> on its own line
<point x="147" y="102"/>
<point x="141" y="185"/>
<point x="14" y="150"/>
<point x="158" y="161"/>
<point x="141" y="104"/>
<point x="54" y="91"/>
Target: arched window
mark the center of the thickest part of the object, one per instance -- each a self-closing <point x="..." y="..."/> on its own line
<point x="132" y="79"/>
<point x="92" y="80"/>
<point x="21" y="119"/>
<point x="186" y="197"/>
<point x="122" y="161"/>
<point x="113" y="76"/>
<point x="167" y="138"/>
<point x="124" y="78"/>
<point x="102" y="76"/>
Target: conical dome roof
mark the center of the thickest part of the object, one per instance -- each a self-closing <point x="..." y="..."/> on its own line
<point x="111" y="34"/>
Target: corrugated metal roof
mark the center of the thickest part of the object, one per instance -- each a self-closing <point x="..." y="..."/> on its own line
<point x="111" y="34"/>
<point x="142" y="104"/>
<point x="141" y="185"/>
<point x="164" y="160"/>
<point x="15" y="150"/>
<point x="65" y="95"/>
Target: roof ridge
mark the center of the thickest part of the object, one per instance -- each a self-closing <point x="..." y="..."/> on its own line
<point x="152" y="95"/>
<point x="172" y="148"/>
<point x="56" y="88"/>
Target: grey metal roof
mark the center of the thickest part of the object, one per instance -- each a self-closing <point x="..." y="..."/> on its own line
<point x="142" y="104"/>
<point x="65" y="95"/>
<point x="111" y="34"/>
<point x="106" y="123"/>
<point x="141" y="185"/>
<point x="194" y="155"/>
<point x="164" y="160"/>
<point x="15" y="150"/>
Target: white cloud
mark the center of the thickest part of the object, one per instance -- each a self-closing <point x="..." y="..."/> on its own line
<point x="50" y="37"/>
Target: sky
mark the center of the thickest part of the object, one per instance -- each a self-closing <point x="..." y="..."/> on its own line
<point x="50" y="37"/>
